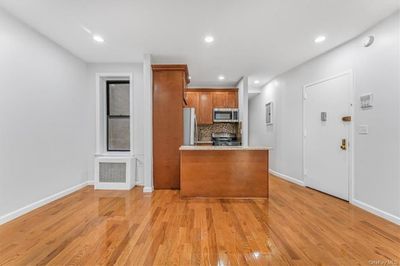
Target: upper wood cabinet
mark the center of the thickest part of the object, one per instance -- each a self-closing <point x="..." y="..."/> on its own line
<point x="205" y="100"/>
<point x="219" y="99"/>
<point x="232" y="99"/>
<point x="203" y="104"/>
<point x="192" y="100"/>
<point x="225" y="99"/>
<point x="205" y="113"/>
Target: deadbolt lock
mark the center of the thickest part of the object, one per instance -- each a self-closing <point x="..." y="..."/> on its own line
<point x="344" y="145"/>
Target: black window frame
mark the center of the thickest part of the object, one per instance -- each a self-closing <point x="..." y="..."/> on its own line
<point x="108" y="116"/>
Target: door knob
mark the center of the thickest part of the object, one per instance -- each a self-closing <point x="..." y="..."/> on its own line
<point x="344" y="145"/>
<point x="346" y="118"/>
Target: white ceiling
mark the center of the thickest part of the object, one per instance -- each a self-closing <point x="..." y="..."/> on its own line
<point x="256" y="38"/>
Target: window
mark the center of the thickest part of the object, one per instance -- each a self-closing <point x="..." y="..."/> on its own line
<point x="118" y="115"/>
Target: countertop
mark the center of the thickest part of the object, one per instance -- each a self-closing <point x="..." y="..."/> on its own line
<point x="223" y="148"/>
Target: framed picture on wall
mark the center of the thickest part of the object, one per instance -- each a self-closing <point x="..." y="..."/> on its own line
<point x="268" y="113"/>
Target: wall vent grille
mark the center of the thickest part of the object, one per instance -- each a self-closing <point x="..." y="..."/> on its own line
<point x="115" y="173"/>
<point x="112" y="172"/>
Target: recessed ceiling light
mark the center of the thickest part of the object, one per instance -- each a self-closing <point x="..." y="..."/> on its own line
<point x="320" y="39"/>
<point x="98" y="38"/>
<point x="209" y="39"/>
<point x="220" y="77"/>
<point x="257" y="82"/>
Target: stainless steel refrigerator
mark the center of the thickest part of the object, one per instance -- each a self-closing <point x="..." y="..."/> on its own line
<point x="189" y="126"/>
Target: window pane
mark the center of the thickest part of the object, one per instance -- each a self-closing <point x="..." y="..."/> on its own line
<point x="119" y="99"/>
<point x="118" y="134"/>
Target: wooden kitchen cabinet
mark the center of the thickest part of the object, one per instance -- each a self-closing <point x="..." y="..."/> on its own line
<point x="225" y="99"/>
<point x="219" y="99"/>
<point x="205" y="113"/>
<point x="203" y="104"/>
<point x="225" y="172"/>
<point x="205" y="100"/>
<point x="192" y="100"/>
<point x="169" y="83"/>
<point x="232" y="99"/>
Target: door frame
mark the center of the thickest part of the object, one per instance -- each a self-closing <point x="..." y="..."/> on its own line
<point x="350" y="133"/>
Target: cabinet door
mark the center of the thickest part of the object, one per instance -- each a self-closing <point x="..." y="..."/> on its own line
<point x="232" y="99"/>
<point x="167" y="111"/>
<point x="205" y="114"/>
<point x="192" y="100"/>
<point x="219" y="99"/>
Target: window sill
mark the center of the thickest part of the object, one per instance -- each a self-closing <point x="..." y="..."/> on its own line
<point x="114" y="154"/>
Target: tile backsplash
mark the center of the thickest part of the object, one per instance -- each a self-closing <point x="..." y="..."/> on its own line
<point x="205" y="131"/>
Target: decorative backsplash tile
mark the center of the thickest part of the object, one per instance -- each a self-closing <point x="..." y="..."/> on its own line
<point x="205" y="131"/>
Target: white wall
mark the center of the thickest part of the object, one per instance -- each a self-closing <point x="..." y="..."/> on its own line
<point x="148" y="123"/>
<point x="243" y="86"/>
<point x="138" y="109"/>
<point x="377" y="155"/>
<point x="44" y="118"/>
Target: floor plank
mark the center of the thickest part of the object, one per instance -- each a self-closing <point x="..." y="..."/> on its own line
<point x="295" y="226"/>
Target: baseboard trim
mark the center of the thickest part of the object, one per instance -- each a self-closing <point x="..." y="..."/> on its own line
<point x="148" y="189"/>
<point x="287" y="178"/>
<point x="385" y="215"/>
<point x="28" y="208"/>
<point x="112" y="186"/>
<point x="91" y="183"/>
<point x="376" y="211"/>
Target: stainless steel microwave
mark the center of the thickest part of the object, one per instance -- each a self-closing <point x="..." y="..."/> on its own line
<point x="225" y="115"/>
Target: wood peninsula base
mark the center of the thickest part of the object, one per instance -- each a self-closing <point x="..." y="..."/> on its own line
<point x="224" y="172"/>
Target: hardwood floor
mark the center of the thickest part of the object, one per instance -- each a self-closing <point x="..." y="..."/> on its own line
<point x="295" y="226"/>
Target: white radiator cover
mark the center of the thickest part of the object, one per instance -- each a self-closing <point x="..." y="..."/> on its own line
<point x="114" y="173"/>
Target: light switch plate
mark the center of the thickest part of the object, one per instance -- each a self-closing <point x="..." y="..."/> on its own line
<point x="324" y="116"/>
<point x="363" y="130"/>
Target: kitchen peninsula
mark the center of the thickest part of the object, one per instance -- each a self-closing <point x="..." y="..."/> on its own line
<point x="224" y="171"/>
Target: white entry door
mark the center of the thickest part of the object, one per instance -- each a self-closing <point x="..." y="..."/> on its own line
<point x="326" y="136"/>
